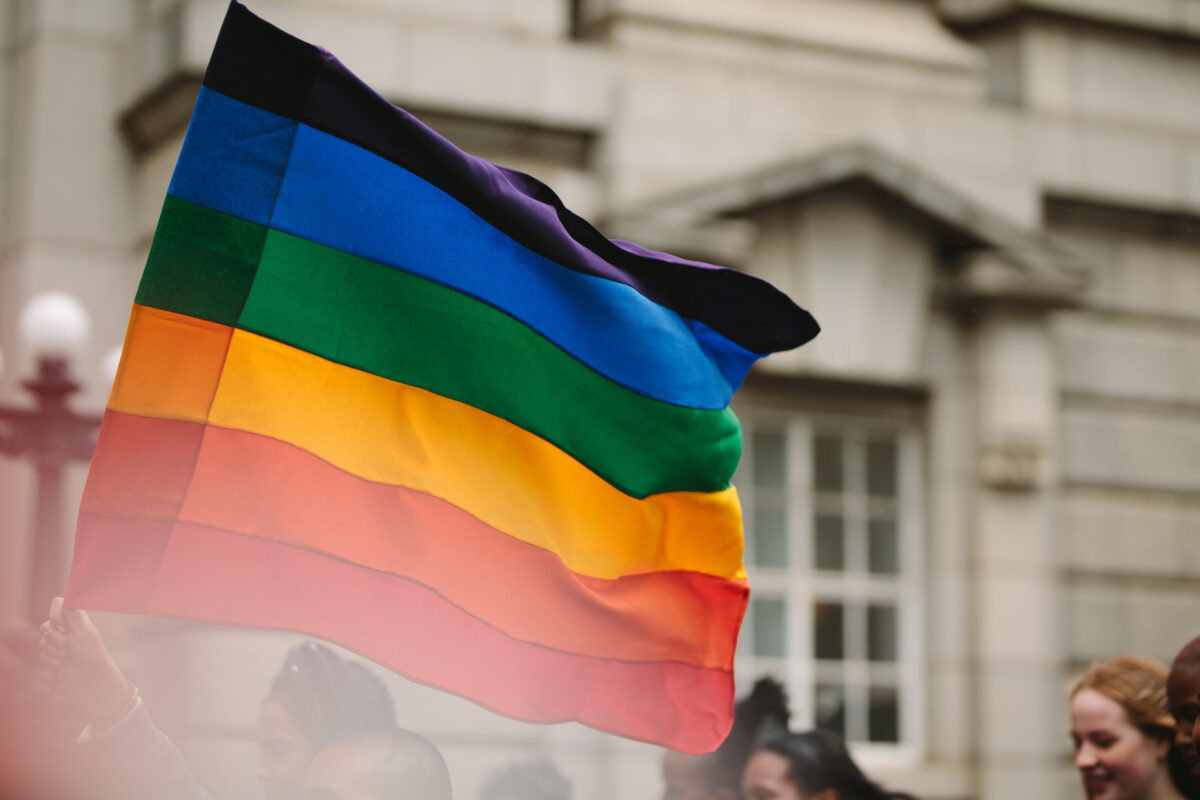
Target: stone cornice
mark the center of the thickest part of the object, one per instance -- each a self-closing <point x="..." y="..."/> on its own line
<point x="902" y="32"/>
<point x="556" y="86"/>
<point x="996" y="261"/>
<point x="1169" y="17"/>
<point x="161" y="113"/>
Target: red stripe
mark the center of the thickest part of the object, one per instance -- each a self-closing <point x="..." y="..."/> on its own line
<point x="114" y="562"/>
<point x="215" y="576"/>
<point x="147" y="468"/>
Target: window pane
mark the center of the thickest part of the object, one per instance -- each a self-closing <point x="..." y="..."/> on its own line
<point x="827" y="463"/>
<point x="883" y="553"/>
<point x="770" y="537"/>
<point x="829" y="702"/>
<point x="770" y="465"/>
<point x="881" y="468"/>
<point x="883" y="714"/>
<point x="828" y="633"/>
<point x="830" y="545"/>
<point x="770" y="628"/>
<point x="881" y="633"/>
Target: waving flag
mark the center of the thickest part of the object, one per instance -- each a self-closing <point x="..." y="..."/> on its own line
<point x="380" y="391"/>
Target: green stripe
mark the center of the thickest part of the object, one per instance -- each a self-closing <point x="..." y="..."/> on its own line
<point x="387" y="322"/>
<point x="201" y="262"/>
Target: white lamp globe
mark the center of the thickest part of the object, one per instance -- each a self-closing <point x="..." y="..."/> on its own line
<point x="54" y="325"/>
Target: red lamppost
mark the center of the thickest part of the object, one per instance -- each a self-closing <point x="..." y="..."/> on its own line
<point x="49" y="434"/>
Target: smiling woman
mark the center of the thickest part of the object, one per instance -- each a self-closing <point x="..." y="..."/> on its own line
<point x="1122" y="731"/>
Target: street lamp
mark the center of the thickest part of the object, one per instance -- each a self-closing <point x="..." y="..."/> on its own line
<point x="54" y="326"/>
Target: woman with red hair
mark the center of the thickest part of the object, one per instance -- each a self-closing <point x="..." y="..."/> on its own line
<point x="1124" y="733"/>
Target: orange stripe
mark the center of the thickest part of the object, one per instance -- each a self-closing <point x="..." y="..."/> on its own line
<point x="174" y="361"/>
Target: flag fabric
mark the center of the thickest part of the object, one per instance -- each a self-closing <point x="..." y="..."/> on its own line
<point x="383" y="392"/>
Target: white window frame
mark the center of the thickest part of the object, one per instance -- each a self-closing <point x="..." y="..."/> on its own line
<point x="801" y="587"/>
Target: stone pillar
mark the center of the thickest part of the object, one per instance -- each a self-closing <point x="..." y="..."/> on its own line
<point x="951" y="721"/>
<point x="1016" y="633"/>
<point x="64" y="200"/>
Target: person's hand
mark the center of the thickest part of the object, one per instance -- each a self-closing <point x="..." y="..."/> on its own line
<point x="84" y="674"/>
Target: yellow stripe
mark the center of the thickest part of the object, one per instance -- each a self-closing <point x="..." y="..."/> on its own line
<point x="392" y="433"/>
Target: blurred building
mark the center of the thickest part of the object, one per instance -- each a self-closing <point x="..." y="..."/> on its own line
<point x="983" y="474"/>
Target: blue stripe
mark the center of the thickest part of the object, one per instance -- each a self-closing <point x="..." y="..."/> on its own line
<point x="342" y="196"/>
<point x="233" y="161"/>
<point x="733" y="360"/>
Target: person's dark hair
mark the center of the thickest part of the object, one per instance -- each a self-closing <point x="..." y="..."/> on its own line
<point x="396" y="763"/>
<point x="329" y="697"/>
<point x="528" y="780"/>
<point x="819" y="760"/>
<point x="761" y="715"/>
<point x="1188" y="655"/>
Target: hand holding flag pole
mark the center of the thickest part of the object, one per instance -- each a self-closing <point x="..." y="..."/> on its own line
<point x="81" y="672"/>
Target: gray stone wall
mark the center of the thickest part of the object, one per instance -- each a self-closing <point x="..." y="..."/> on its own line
<point x="1131" y="427"/>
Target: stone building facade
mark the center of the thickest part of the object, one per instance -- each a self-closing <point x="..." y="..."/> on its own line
<point x="984" y="474"/>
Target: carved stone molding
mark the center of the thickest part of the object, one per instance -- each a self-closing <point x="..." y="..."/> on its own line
<point x="1013" y="464"/>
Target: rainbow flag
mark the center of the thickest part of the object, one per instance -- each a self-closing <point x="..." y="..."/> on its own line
<point x="380" y="391"/>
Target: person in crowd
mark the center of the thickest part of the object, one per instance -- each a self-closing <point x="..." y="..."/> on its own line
<point x="30" y="734"/>
<point x="394" y="765"/>
<point x="1183" y="698"/>
<point x="315" y="699"/>
<point x="716" y="776"/>
<point x="120" y="750"/>
<point x="814" y="765"/>
<point x="527" y="780"/>
<point x="1123" y="731"/>
<point x="1189" y="776"/>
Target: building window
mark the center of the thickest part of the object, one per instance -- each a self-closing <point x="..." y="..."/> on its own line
<point x="832" y="510"/>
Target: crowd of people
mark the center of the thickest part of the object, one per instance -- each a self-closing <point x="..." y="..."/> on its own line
<point x="326" y="730"/>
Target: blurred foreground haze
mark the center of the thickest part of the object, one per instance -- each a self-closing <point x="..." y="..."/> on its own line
<point x="985" y="472"/>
